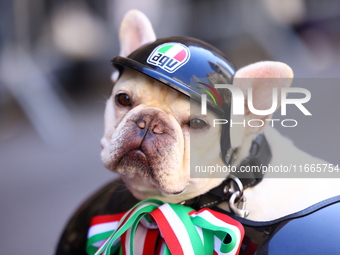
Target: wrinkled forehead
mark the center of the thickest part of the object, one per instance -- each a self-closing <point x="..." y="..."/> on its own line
<point x="137" y="82"/>
<point x="152" y="93"/>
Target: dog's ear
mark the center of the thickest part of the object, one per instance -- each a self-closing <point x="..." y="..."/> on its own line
<point x="262" y="77"/>
<point x="135" y="30"/>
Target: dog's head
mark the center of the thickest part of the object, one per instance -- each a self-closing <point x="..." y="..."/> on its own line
<point x="150" y="127"/>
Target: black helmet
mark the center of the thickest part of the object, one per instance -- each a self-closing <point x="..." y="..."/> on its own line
<point x="190" y="66"/>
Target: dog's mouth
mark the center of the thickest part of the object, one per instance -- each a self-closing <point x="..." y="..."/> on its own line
<point x="138" y="155"/>
<point x="138" y="169"/>
<point x="135" y="161"/>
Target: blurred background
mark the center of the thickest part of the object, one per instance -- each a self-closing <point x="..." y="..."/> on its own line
<point x="55" y="78"/>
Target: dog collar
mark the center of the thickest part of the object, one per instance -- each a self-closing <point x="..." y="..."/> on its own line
<point x="231" y="189"/>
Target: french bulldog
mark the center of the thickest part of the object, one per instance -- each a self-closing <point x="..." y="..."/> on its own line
<point x="148" y="131"/>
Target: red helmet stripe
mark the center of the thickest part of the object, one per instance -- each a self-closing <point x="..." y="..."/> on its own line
<point x="180" y="56"/>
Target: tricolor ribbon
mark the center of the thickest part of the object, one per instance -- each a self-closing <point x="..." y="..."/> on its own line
<point x="152" y="227"/>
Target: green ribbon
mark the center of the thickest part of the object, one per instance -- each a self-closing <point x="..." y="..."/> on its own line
<point x="182" y="231"/>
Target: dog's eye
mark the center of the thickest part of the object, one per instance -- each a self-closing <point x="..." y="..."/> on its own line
<point x="123" y="99"/>
<point x="197" y="124"/>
